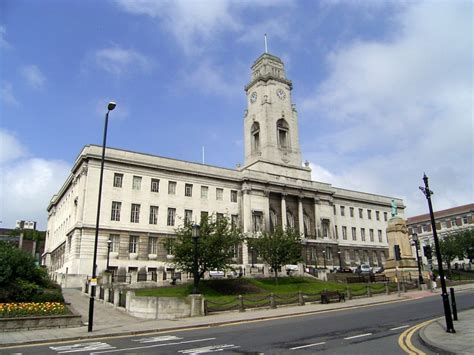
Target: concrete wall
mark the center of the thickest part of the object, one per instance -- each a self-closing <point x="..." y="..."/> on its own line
<point x="27" y="323"/>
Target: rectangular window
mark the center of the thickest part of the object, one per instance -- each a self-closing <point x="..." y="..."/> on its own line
<point x="344" y="233"/>
<point x="153" y="245"/>
<point x="155" y="185"/>
<point x="371" y="235"/>
<point x="334" y="209"/>
<point x="137" y="182"/>
<point x="347" y="256"/>
<point x="361" y="213"/>
<point x="325" y="229"/>
<point x="464" y="220"/>
<point x="362" y="234"/>
<point x="354" y="233"/>
<point x="118" y="179"/>
<point x="234" y="221"/>
<point x="188" y="216"/>
<point x="328" y="253"/>
<point x="204" y="191"/>
<point x="233" y="196"/>
<point x="219" y="216"/>
<point x="453" y="222"/>
<point x="188" y="190"/>
<point x="116" y="206"/>
<point x="171" y="216"/>
<point x="172" y="188"/>
<point x="114" y="246"/>
<point x="135" y="213"/>
<point x="351" y="211"/>
<point x="377" y="215"/>
<point x="369" y="214"/>
<point x="153" y="214"/>
<point x="219" y="194"/>
<point x="337" y="232"/>
<point x="385" y="216"/>
<point x="380" y="235"/>
<point x="343" y="211"/>
<point x="257" y="221"/>
<point x="132" y="244"/>
<point x="204" y="215"/>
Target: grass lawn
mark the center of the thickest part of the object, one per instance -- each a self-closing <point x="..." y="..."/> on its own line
<point x="226" y="289"/>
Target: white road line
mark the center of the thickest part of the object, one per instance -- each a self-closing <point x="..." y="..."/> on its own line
<point x="152" y="346"/>
<point x="401" y="327"/>
<point x="307" y="346"/>
<point x="157" y="339"/>
<point x="80" y="347"/>
<point x="209" y="349"/>
<point x="358" y="336"/>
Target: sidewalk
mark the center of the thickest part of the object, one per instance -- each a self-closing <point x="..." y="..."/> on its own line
<point x="435" y="337"/>
<point x="110" y="321"/>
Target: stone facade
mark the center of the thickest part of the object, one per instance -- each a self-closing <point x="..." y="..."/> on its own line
<point x="146" y="197"/>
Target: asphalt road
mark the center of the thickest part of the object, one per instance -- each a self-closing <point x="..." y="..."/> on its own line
<point x="368" y="330"/>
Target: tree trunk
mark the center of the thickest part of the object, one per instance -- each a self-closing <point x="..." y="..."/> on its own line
<point x="275" y="270"/>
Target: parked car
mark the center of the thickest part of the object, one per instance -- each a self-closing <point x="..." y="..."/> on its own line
<point x="363" y="269"/>
<point x="344" y="269"/>
<point x="216" y="274"/>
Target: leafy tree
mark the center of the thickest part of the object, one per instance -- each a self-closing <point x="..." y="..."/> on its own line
<point x="217" y="242"/>
<point x="278" y="248"/>
<point x="449" y="247"/>
<point x="466" y="244"/>
<point x="29" y="234"/>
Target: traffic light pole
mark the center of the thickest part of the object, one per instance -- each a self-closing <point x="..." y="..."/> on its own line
<point x="447" y="311"/>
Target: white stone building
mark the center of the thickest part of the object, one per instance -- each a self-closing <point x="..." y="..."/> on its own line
<point x="146" y="197"/>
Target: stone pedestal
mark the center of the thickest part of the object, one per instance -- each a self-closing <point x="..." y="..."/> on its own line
<point x="397" y="234"/>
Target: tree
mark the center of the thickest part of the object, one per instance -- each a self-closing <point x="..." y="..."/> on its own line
<point x="277" y="248"/>
<point x="466" y="244"/>
<point x="217" y="242"/>
<point x="449" y="248"/>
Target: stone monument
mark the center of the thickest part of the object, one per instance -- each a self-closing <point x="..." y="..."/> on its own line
<point x="397" y="234"/>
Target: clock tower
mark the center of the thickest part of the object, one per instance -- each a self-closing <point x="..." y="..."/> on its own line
<point x="271" y="121"/>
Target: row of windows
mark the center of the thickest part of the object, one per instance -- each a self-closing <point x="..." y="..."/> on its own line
<point x="188" y="188"/>
<point x="342" y="210"/>
<point x="449" y="223"/>
<point x="362" y="234"/>
<point x="153" y="214"/>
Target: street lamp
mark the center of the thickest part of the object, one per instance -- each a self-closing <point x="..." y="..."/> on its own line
<point x="324" y="257"/>
<point x="195" y="235"/>
<point x="110" y="107"/>
<point x="252" y="256"/>
<point x="109" y="244"/>
<point x="417" y="245"/>
<point x="340" y="260"/>
<point x="447" y="311"/>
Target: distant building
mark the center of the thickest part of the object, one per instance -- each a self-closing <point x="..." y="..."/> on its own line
<point x="26" y="225"/>
<point x="146" y="197"/>
<point x="447" y="221"/>
<point x="14" y="236"/>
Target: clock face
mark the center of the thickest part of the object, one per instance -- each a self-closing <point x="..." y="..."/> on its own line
<point x="281" y="94"/>
<point x="253" y="97"/>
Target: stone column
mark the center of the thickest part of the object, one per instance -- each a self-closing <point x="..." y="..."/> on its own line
<point x="316" y="219"/>
<point x="283" y="210"/>
<point x="300" y="215"/>
<point x="247" y="223"/>
<point x="143" y="247"/>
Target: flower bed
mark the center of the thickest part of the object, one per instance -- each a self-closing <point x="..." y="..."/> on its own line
<point x="28" y="309"/>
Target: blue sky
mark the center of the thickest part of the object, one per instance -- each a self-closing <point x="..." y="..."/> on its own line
<point x="383" y="89"/>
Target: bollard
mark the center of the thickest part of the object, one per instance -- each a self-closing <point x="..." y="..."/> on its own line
<point x="241" y="304"/>
<point x="272" y="301"/>
<point x="349" y="293"/>
<point x="418" y="284"/>
<point x="300" y="298"/>
<point x="369" y="291"/>
<point x="453" y="304"/>
<point x="404" y="290"/>
<point x="387" y="288"/>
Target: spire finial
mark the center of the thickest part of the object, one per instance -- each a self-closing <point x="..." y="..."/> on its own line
<point x="266" y="47"/>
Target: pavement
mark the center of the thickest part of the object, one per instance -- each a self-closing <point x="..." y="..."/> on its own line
<point x="110" y="321"/>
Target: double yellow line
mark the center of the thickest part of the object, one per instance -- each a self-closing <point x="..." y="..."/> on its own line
<point x="404" y="340"/>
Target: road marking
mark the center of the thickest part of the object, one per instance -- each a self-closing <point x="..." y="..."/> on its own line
<point x="307" y="346"/>
<point x="404" y="340"/>
<point x="209" y="349"/>
<point x="157" y="339"/>
<point x="358" y="336"/>
<point x="75" y="348"/>
<point x="152" y="346"/>
<point x="400" y="327"/>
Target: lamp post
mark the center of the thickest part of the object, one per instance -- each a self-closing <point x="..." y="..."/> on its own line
<point x="447" y="311"/>
<point x="340" y="260"/>
<point x="110" y="107"/>
<point x="109" y="244"/>
<point x="195" y="235"/>
<point x="252" y="255"/>
<point x="324" y="258"/>
<point x="417" y="245"/>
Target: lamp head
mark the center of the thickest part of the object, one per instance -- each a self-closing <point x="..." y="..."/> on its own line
<point x="111" y="105"/>
<point x="195" y="231"/>
<point x="414" y="237"/>
<point x="109" y="242"/>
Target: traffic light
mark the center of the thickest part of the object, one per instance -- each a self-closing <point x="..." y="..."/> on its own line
<point x="396" y="249"/>
<point x="428" y="252"/>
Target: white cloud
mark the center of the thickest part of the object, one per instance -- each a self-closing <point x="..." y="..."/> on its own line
<point x="118" y="61"/>
<point x="402" y="107"/>
<point x="3" y="42"/>
<point x="7" y="96"/>
<point x="10" y="147"/>
<point x="33" y="76"/>
<point x="194" y="23"/>
<point x="27" y="184"/>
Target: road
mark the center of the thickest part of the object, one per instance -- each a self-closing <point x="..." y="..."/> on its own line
<point x="368" y="330"/>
